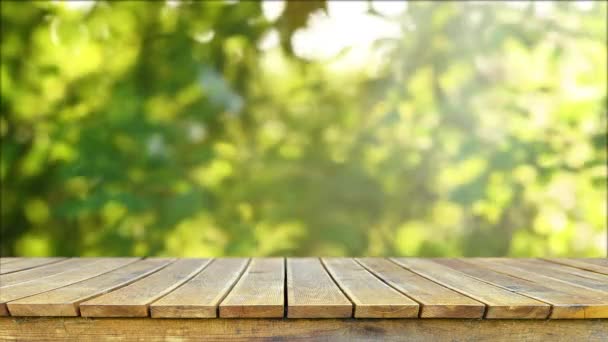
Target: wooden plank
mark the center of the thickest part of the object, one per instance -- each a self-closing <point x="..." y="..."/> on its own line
<point x="201" y="295"/>
<point x="25" y="264"/>
<point x="133" y="300"/>
<point x="6" y="260"/>
<point x="372" y="297"/>
<point x="64" y="301"/>
<point x="43" y="271"/>
<point x="597" y="261"/>
<point x="559" y="275"/>
<point x="33" y="287"/>
<point x="568" y="302"/>
<point x="145" y="329"/>
<point x="500" y="303"/>
<point x="563" y="269"/>
<point x="584" y="264"/>
<point x="259" y="292"/>
<point x="436" y="301"/>
<point x="311" y="293"/>
<point x="534" y="277"/>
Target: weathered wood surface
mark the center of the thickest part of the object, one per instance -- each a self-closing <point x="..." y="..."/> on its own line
<point x="30" y="288"/>
<point x="201" y="295"/>
<point x="10" y="266"/>
<point x="259" y="293"/>
<point x="372" y="297"/>
<point x="43" y="271"/>
<point x="437" y="301"/>
<point x="133" y="300"/>
<point x="580" y="278"/>
<point x="6" y="260"/>
<point x="567" y="301"/>
<point x="64" y="301"/>
<point x="234" y="329"/>
<point x="361" y="288"/>
<point x="312" y="292"/>
<point x="500" y="303"/>
<point x="594" y="265"/>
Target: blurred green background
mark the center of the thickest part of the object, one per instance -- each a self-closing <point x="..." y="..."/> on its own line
<point x="224" y="128"/>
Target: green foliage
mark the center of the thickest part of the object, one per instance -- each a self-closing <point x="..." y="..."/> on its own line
<point x="139" y="128"/>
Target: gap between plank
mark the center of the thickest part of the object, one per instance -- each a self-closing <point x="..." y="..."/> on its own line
<point x="126" y="284"/>
<point x="36" y="266"/>
<point x="217" y="308"/>
<point x="505" y="288"/>
<point x="66" y="285"/>
<point x="178" y="286"/>
<point x="485" y="305"/>
<point x="570" y="265"/>
<point x="352" y="313"/>
<point x="420" y="305"/>
<point x="514" y="276"/>
<point x="285" y="291"/>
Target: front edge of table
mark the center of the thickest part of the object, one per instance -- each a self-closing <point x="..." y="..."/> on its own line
<point x="147" y="329"/>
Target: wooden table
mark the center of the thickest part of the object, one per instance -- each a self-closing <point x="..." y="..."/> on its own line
<point x="303" y="298"/>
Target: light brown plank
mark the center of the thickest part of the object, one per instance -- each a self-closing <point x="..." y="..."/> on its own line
<point x="500" y="302"/>
<point x="208" y="330"/>
<point x="533" y="276"/>
<point x="568" y="301"/>
<point x="6" y="260"/>
<point x="43" y="271"/>
<point x="133" y="300"/>
<point x="25" y="264"/>
<point x="64" y="300"/>
<point x="585" y="264"/>
<point x="556" y="274"/>
<point x="372" y="298"/>
<point x="436" y="301"/>
<point x="259" y="292"/>
<point x="567" y="269"/>
<point x="597" y="261"/>
<point x="33" y="287"/>
<point x="201" y="295"/>
<point x="311" y="293"/>
<point x="536" y="277"/>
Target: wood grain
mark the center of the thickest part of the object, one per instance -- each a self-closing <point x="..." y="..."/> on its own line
<point x="100" y="266"/>
<point x="133" y="300"/>
<point x="565" y="269"/>
<point x="536" y="276"/>
<point x="372" y="297"/>
<point x="312" y="293"/>
<point x="500" y="303"/>
<point x="308" y="288"/>
<point x="6" y="260"/>
<point x="259" y="292"/>
<point x="437" y="301"/>
<point x="557" y="273"/>
<point x="201" y="295"/>
<point x="585" y="264"/>
<point x="349" y="330"/>
<point x="567" y="302"/>
<point x="597" y="261"/>
<point x="64" y="301"/>
<point x="44" y="271"/>
<point x="24" y="264"/>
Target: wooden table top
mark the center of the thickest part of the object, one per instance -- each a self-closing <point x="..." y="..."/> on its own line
<point x="491" y="288"/>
